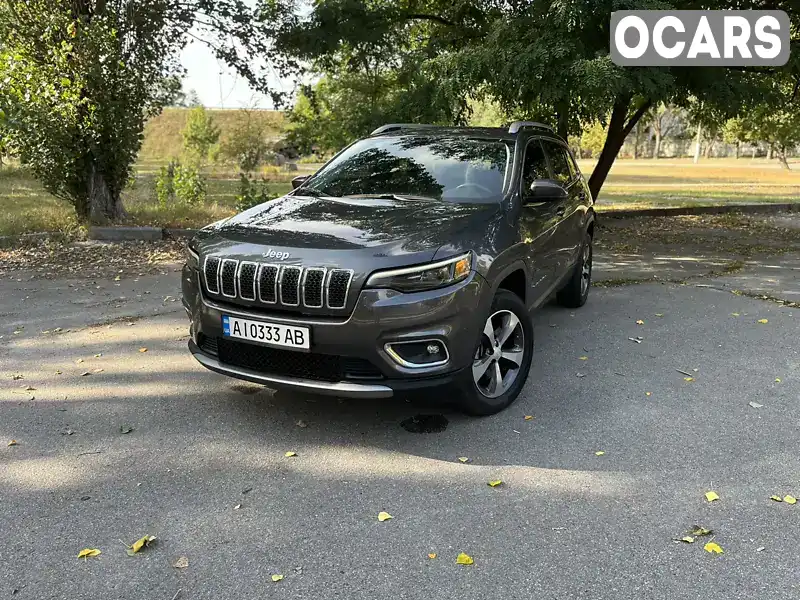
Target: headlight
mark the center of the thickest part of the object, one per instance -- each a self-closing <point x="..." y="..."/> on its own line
<point x="424" y="277"/>
<point x="192" y="257"/>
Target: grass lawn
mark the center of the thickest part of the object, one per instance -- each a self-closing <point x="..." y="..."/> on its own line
<point x="25" y="207"/>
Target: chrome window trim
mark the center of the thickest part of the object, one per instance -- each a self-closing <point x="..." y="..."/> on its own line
<point x="205" y="264"/>
<point x="219" y="276"/>
<point x="404" y="363"/>
<point x="321" y="287"/>
<point x="274" y="285"/>
<point x="280" y="284"/>
<point x="327" y="286"/>
<point x="239" y="279"/>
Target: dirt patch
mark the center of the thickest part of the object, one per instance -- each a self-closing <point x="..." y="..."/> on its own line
<point x="47" y="259"/>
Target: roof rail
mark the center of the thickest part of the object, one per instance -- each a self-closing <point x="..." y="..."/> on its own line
<point x="517" y="125"/>
<point x="398" y="126"/>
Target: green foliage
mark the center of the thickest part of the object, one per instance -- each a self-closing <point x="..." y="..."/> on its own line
<point x="252" y="193"/>
<point x="593" y="138"/>
<point x="247" y="145"/>
<point x="200" y="136"/>
<point x="485" y="112"/>
<point x="80" y="78"/>
<point x="180" y="184"/>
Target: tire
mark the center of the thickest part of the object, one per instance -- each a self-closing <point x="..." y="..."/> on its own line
<point x="473" y="400"/>
<point x="575" y="292"/>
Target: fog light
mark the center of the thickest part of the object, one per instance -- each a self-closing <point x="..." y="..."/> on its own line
<point x="417" y="354"/>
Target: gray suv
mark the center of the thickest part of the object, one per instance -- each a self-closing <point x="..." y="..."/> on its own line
<point x="410" y="261"/>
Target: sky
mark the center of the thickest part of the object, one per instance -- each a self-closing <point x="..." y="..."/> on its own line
<point x="218" y="85"/>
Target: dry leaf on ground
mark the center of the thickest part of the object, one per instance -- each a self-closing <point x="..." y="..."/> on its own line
<point x="495" y="483"/>
<point x="87" y="552"/>
<point x="528" y="417"/>
<point x="290" y="454"/>
<point x="125" y="429"/>
<point x="583" y="358"/>
<point x="142" y="349"/>
<point x="464" y="559"/>
<point x="432" y="555"/>
<point x="776" y="498"/>
<point x="711" y="496"/>
<point x="763" y="321"/>
<point x="688" y="378"/>
<point x="755" y="404"/>
<point x="640" y="322"/>
<point x="713" y="548"/>
<point x="277" y="578"/>
<point x="789" y="499"/>
<point x="12" y="443"/>
<point x="384" y="516"/>
<point x="181" y="563"/>
<point x="142" y="542"/>
<point x="599" y="453"/>
<point x="463" y="459"/>
<point x="698" y="531"/>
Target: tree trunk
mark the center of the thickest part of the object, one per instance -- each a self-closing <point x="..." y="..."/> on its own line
<point x="782" y="157"/>
<point x="657" y="147"/>
<point x="638" y="140"/>
<point x="709" y="148"/>
<point x="697" y="146"/>
<point x="769" y="152"/>
<point x="562" y="128"/>
<point x="737" y="149"/>
<point x="104" y="206"/>
<point x="618" y="130"/>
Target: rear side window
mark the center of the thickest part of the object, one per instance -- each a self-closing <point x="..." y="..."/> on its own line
<point x="559" y="162"/>
<point x="535" y="165"/>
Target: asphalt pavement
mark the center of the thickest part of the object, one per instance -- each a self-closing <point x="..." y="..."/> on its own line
<point x="203" y="467"/>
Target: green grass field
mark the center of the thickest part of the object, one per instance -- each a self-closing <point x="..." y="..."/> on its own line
<point x="25" y="207"/>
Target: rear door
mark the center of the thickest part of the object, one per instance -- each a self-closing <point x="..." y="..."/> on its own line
<point x="571" y="211"/>
<point x="538" y="224"/>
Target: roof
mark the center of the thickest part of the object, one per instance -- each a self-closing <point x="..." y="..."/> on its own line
<point x="508" y="133"/>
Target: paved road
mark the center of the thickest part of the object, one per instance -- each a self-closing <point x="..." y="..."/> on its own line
<point x="566" y="523"/>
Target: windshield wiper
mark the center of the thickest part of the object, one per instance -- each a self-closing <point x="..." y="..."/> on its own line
<point x="312" y="192"/>
<point x="406" y="198"/>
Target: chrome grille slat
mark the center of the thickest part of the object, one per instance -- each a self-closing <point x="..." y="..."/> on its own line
<point x="289" y="285"/>
<point x="246" y="276"/>
<point x="283" y="285"/>
<point x="314" y="290"/>
<point x="268" y="283"/>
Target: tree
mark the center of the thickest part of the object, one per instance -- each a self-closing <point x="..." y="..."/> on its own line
<point x="548" y="60"/>
<point x="663" y="122"/>
<point x="776" y="125"/>
<point x="246" y="144"/>
<point x="80" y="77"/>
<point x="200" y="135"/>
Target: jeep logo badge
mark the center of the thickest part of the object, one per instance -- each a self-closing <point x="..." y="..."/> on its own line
<point x="272" y="254"/>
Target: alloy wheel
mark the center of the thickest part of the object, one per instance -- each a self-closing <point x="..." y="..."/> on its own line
<point x="586" y="269"/>
<point x="499" y="355"/>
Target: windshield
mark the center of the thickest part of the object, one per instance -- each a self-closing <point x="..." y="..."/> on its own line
<point x="451" y="169"/>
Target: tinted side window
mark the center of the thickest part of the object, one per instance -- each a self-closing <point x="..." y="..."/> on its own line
<point x="559" y="163"/>
<point x="535" y="165"/>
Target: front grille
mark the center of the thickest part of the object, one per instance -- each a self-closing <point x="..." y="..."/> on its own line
<point x="288" y="285"/>
<point x="207" y="344"/>
<point x="300" y="365"/>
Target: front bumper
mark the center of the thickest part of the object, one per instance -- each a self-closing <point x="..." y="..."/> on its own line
<point x="379" y="317"/>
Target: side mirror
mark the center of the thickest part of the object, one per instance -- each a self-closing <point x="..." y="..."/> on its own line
<point x="299" y="180"/>
<point x="546" y="190"/>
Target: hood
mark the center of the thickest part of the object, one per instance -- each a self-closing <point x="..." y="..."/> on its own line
<point x="375" y="227"/>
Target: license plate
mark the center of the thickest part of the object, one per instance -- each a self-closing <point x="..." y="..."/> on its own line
<point x="272" y="334"/>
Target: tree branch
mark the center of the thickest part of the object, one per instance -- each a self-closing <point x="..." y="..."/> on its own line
<point x="636" y="116"/>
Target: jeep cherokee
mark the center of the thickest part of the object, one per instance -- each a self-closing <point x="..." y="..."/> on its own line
<point x="410" y="260"/>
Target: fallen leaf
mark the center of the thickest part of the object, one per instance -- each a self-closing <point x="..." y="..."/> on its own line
<point x="789" y="499"/>
<point x="599" y="453"/>
<point x="125" y="429"/>
<point x="277" y="578"/>
<point x="777" y="380"/>
<point x="142" y="349"/>
<point x="117" y="278"/>
<point x="495" y="483"/>
<point x="464" y="559"/>
<point x="648" y="393"/>
<point x="85" y="374"/>
<point x="142" y="542"/>
<point x="659" y="314"/>
<point x="17" y="377"/>
<point x="237" y="507"/>
<point x="432" y="555"/>
<point x="776" y="498"/>
<point x="713" y="548"/>
<point x="686" y="539"/>
<point x="760" y="549"/>
<point x="711" y="496"/>
<point x="580" y="374"/>
<point x="528" y="417"/>
<point x="583" y="358"/>
<point x="30" y="388"/>
<point x="181" y="563"/>
<point x="640" y="322"/>
<point x="384" y="516"/>
<point x="290" y="454"/>
<point x="763" y="321"/>
<point x="98" y="355"/>
<point x="698" y="531"/>
<point x="87" y="552"/>
<point x="79" y="361"/>
<point x="58" y="372"/>
<point x="98" y="370"/>
<point x="734" y="314"/>
<point x="12" y="443"/>
<point x="688" y="378"/>
<point x="301" y="424"/>
<point x="463" y="459"/>
<point x="755" y="404"/>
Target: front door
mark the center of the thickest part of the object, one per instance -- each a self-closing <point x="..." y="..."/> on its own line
<point x="538" y="225"/>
